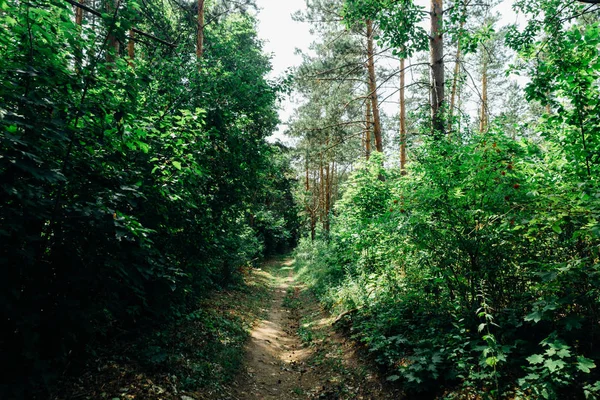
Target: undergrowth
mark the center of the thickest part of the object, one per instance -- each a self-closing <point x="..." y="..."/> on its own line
<point x="475" y="276"/>
<point x="199" y="352"/>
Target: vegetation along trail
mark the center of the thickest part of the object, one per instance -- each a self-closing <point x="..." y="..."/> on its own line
<point x="436" y="188"/>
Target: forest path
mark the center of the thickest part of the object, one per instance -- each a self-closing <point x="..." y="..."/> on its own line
<point x="294" y="353"/>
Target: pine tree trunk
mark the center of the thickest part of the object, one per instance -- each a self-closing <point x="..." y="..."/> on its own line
<point x="131" y="48"/>
<point x="322" y="190"/>
<point x="373" y="87"/>
<point x="454" y="86"/>
<point x="78" y="50"/>
<point x="483" y="117"/>
<point x="313" y="213"/>
<point x="200" y="39"/>
<point x="368" y="130"/>
<point x="327" y="196"/>
<point x="437" y="66"/>
<point x="456" y="71"/>
<point x="79" y="14"/>
<point x="402" y="119"/>
<point x="309" y="211"/>
<point x="113" y="44"/>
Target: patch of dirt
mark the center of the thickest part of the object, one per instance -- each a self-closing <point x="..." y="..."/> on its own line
<point x="294" y="353"/>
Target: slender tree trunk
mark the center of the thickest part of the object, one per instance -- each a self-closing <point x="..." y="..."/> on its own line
<point x="307" y="178"/>
<point x="373" y="87"/>
<point x="79" y="14"/>
<point x="437" y="66"/>
<point x="456" y="71"/>
<point x="78" y="50"/>
<point x="330" y="193"/>
<point x="402" y="119"/>
<point x="454" y="87"/>
<point x="459" y="105"/>
<point x="368" y="130"/>
<point x="483" y="118"/>
<point x="331" y="182"/>
<point x="200" y="39"/>
<point x="322" y="190"/>
<point x="327" y="196"/>
<point x="313" y="214"/>
<point x="113" y="44"/>
<point x="131" y="48"/>
<point x="307" y="186"/>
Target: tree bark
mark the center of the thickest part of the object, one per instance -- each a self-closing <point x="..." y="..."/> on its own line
<point x="456" y="72"/>
<point x="313" y="213"/>
<point x="368" y="130"/>
<point x="402" y="119"/>
<point x="79" y="14"/>
<point x="483" y="117"/>
<point x="113" y="44"/>
<point x="373" y="88"/>
<point x="131" y="48"/>
<point x="437" y="66"/>
<point x="200" y="39"/>
<point x="309" y="210"/>
<point x="78" y="49"/>
<point x="322" y="190"/>
<point x="327" y="196"/>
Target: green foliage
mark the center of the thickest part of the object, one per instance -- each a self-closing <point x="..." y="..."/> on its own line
<point x="457" y="270"/>
<point x="128" y="187"/>
<point x="455" y="274"/>
<point x="556" y="368"/>
<point x="400" y="22"/>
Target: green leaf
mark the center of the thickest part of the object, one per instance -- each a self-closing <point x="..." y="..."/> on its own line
<point x="177" y="164"/>
<point x="554" y="365"/>
<point x="535" y="316"/>
<point x="491" y="361"/>
<point x="585" y="364"/>
<point x="536" y="359"/>
<point x="563" y="353"/>
<point x="556" y="228"/>
<point x="393" y="378"/>
<point x="10" y="20"/>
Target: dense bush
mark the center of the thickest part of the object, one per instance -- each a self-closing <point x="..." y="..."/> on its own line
<point x="129" y="187"/>
<point x="477" y="270"/>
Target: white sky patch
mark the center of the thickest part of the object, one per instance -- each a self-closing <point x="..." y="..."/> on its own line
<point x="282" y="36"/>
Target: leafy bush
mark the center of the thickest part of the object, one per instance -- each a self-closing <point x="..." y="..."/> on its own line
<point x="128" y="186"/>
<point x="458" y="270"/>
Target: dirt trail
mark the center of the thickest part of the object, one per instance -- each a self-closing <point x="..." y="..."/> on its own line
<point x="281" y="365"/>
<point x="275" y="360"/>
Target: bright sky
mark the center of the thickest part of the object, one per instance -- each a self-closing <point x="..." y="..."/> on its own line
<point x="282" y="36"/>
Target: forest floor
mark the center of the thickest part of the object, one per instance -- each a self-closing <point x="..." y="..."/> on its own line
<point x="265" y="339"/>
